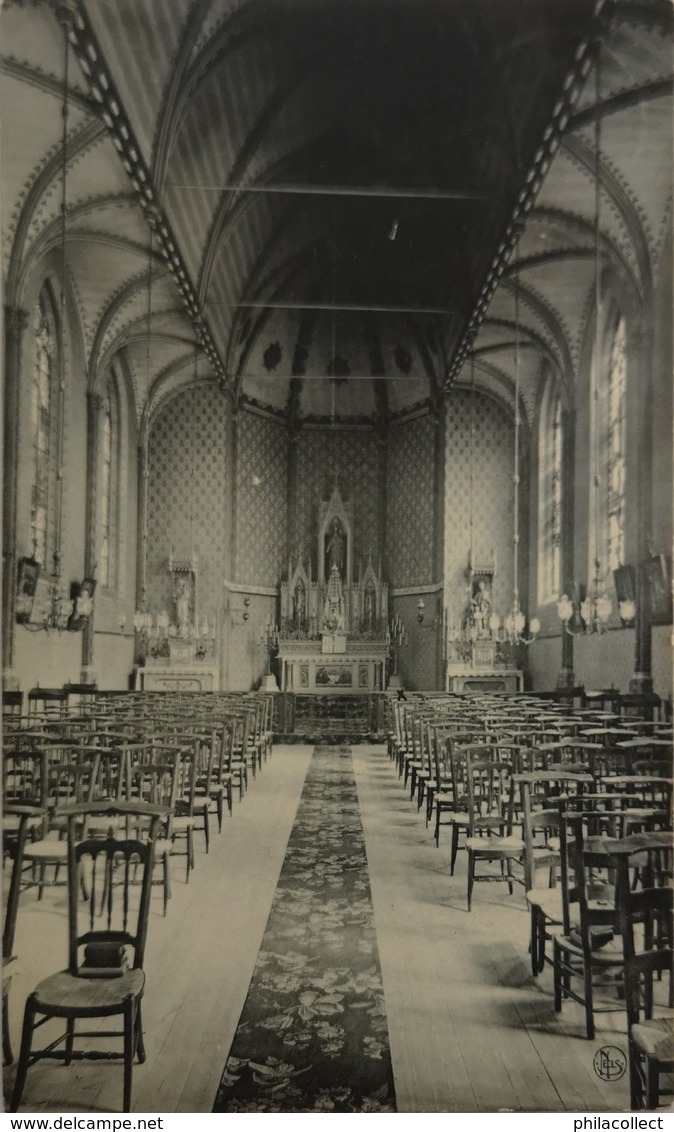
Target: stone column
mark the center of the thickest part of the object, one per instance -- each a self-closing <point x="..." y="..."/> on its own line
<point x="640" y="355"/>
<point x="565" y="678"/>
<point x="16" y="321"/>
<point x="437" y="612"/>
<point x="94" y="404"/>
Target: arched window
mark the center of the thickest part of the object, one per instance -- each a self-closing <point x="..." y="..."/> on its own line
<point x="614" y="446"/>
<point x="43" y="399"/>
<point x="109" y="470"/>
<point x="550" y="500"/>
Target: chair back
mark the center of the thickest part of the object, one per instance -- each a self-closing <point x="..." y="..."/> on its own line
<point x="108" y="930"/>
<point x="646" y="917"/>
<point x="24" y="776"/>
<point x="488" y="793"/>
<point x="586" y="822"/>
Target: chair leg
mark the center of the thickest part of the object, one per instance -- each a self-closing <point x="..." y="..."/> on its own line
<point x="167" y="880"/>
<point x="26" y="1042"/>
<point x="207" y="832"/>
<point x="587" y="994"/>
<point x="230" y="801"/>
<point x="129" y="1029"/>
<point x="190" y="851"/>
<point x="471" y="876"/>
<point x="70" y="1039"/>
<point x="139" y="1039"/>
<point x="535" y="943"/>
<point x="652" y="1083"/>
<point x="636" y="1091"/>
<point x="557" y="977"/>
<point x="7" y="1054"/>
<point x="455" y="848"/>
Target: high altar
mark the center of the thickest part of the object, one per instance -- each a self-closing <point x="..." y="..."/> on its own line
<point x="332" y="634"/>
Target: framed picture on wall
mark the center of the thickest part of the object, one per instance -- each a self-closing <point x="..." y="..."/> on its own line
<point x="657" y="588"/>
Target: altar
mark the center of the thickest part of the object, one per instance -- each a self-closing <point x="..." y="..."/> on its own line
<point x="304" y="667"/>
<point x="333" y="615"/>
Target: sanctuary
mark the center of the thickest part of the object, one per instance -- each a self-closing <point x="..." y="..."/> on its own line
<point x="333" y="630"/>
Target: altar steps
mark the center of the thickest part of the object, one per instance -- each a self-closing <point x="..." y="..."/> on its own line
<point x="329" y="718"/>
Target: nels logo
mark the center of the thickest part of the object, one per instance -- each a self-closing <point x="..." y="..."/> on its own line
<point x="609" y="1063"/>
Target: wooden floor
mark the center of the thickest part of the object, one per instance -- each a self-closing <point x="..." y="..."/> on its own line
<point x="470" y="1029"/>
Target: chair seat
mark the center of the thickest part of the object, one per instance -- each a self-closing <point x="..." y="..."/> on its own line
<point x="508" y="845"/>
<point x="601" y="937"/>
<point x="655" y="1038"/>
<point x="63" y="992"/>
<point x="46" y="850"/>
<point x="182" y="823"/>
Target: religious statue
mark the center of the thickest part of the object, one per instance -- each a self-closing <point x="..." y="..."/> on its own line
<point x="299" y="606"/>
<point x="182" y="602"/>
<point x="369" y="607"/>
<point x="333" y="609"/>
<point x="334" y="549"/>
<point x="480" y="607"/>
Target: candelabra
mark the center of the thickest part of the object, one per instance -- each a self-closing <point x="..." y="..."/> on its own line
<point x="397" y="639"/>
<point x="270" y="639"/>
<point x="593" y="612"/>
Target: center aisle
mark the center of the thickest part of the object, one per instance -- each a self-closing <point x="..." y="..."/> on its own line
<point x="312" y="1036"/>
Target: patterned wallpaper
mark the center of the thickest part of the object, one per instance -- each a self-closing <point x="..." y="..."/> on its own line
<point x="493" y="456"/>
<point x="186" y="493"/>
<point x="353" y="459"/>
<point x="261" y="500"/>
<point x="409" y="510"/>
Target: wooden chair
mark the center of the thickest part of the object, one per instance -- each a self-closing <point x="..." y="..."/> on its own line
<point x="647" y="927"/>
<point x="13" y="845"/>
<point x="586" y="956"/>
<point x="104" y="977"/>
<point x="215" y="779"/>
<point x="490" y="829"/>
<point x="54" y="701"/>
<point x="153" y="785"/>
<point x="539" y="791"/>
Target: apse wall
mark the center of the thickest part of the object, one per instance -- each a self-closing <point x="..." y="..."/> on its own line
<point x="187" y="489"/>
<point x="352" y="460"/>
<point x="411" y="546"/>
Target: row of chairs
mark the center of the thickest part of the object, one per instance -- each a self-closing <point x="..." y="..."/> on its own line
<point x="538" y="798"/>
<point x="133" y="771"/>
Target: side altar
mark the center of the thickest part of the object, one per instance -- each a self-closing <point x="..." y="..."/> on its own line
<point x="332" y="635"/>
<point x="480" y="658"/>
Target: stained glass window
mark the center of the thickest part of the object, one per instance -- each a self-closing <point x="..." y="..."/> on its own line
<point x="41" y="425"/>
<point x="615" y="448"/>
<point x="550" y="501"/>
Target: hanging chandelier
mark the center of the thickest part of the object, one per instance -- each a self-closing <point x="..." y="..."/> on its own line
<point x="514" y="629"/>
<point x="592" y="613"/>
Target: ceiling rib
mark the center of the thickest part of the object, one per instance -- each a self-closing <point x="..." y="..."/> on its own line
<point x="307" y="306"/>
<point x="377" y="191"/>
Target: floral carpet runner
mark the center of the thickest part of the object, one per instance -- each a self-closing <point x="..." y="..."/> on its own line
<point x="312" y="1036"/>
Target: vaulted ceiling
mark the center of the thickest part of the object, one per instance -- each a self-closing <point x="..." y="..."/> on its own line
<point x="340" y="203"/>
